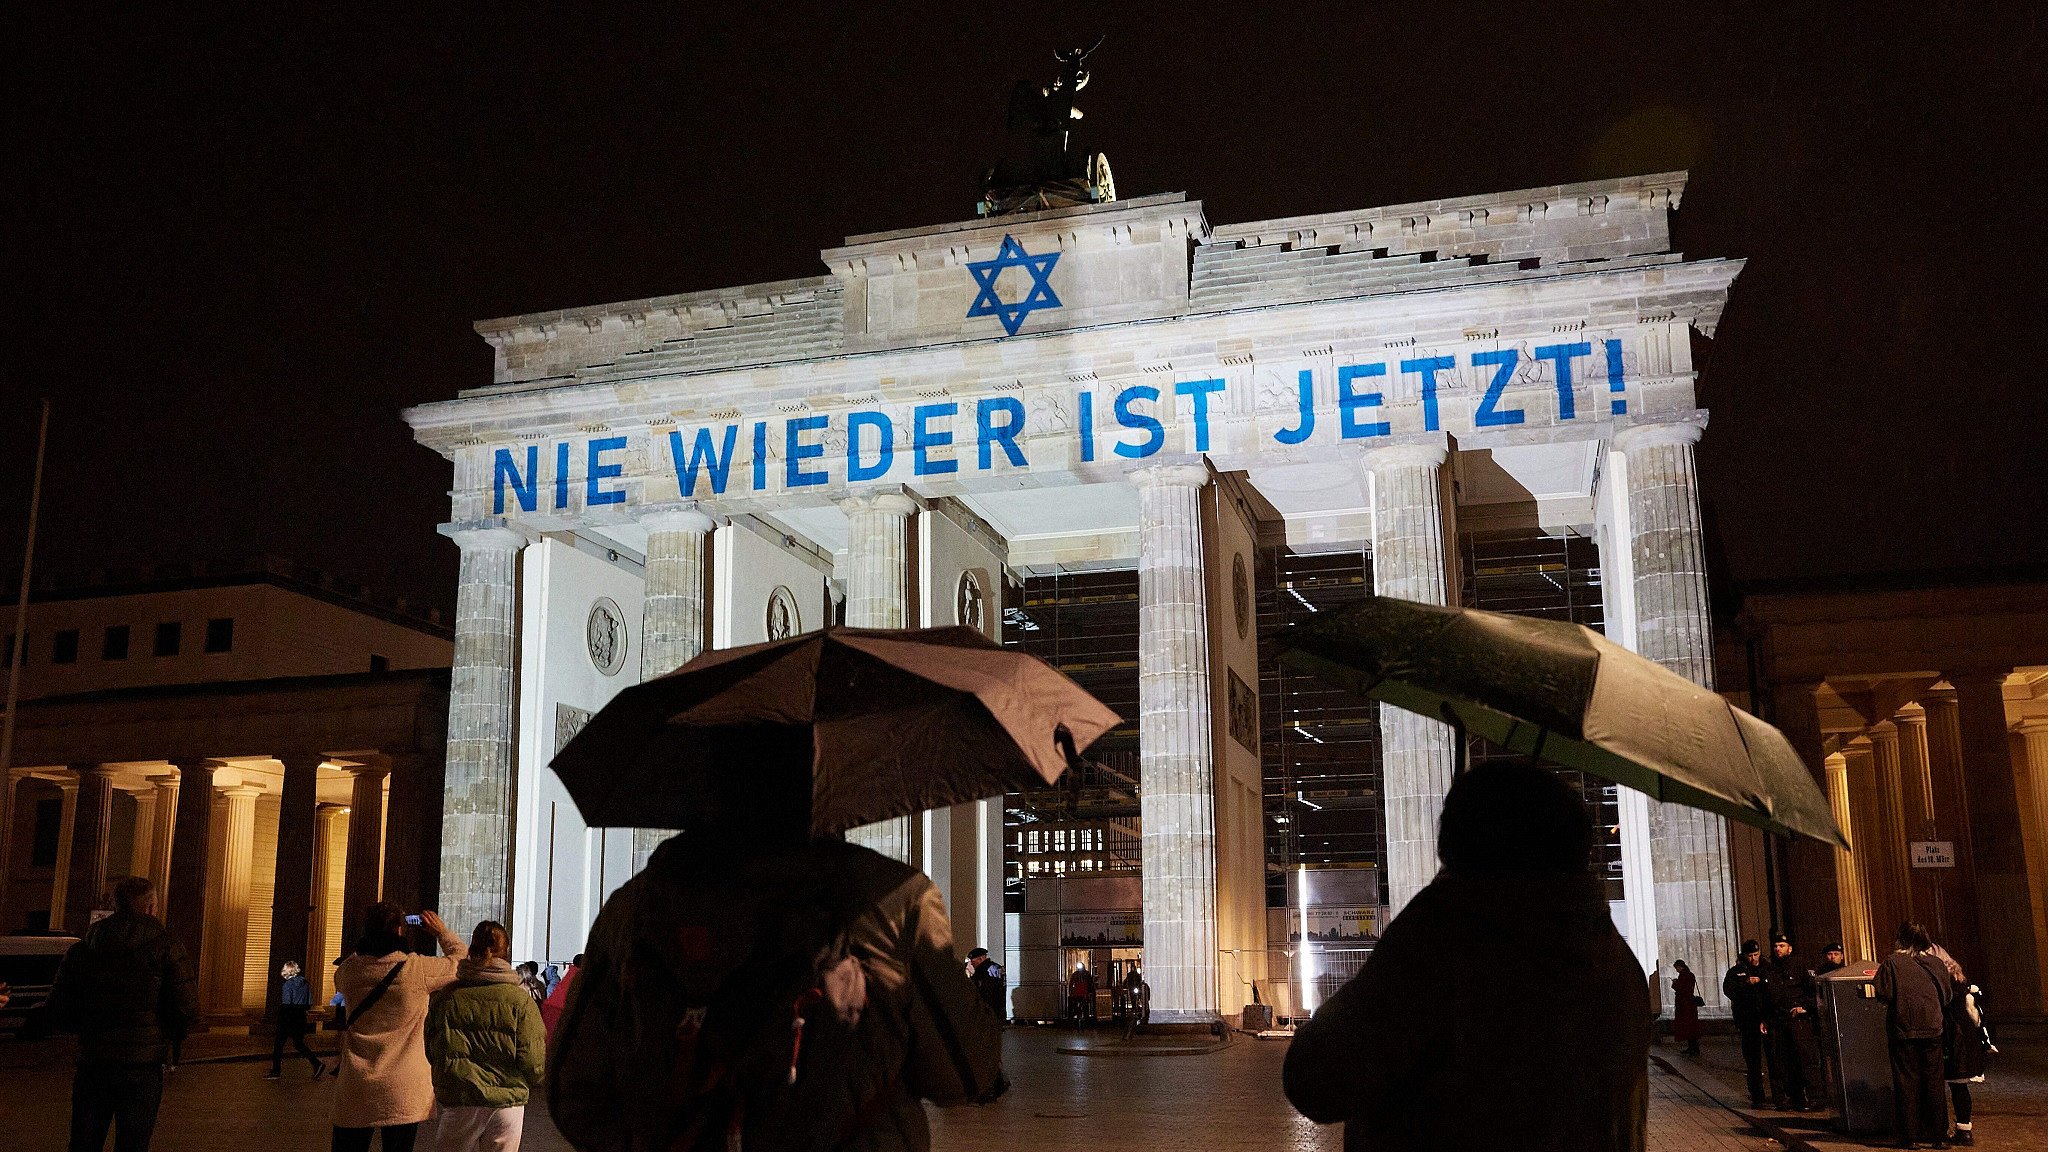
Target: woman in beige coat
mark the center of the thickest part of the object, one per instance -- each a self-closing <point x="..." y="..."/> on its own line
<point x="385" y="1082"/>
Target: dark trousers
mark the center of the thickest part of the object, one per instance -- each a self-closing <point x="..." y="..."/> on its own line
<point x="1753" y="1060"/>
<point x="291" y="1024"/>
<point x="396" y="1138"/>
<point x="124" y="1097"/>
<point x="1959" y="1098"/>
<point x="1917" y="1095"/>
<point x="1793" y="1054"/>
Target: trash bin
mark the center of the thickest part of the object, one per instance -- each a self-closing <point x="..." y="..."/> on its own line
<point x="1854" y="1051"/>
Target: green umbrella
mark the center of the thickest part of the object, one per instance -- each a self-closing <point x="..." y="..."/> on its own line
<point x="1564" y="693"/>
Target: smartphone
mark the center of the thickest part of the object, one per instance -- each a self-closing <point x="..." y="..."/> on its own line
<point x="413" y="920"/>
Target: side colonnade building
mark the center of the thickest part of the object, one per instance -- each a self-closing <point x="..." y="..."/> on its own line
<point x="950" y="410"/>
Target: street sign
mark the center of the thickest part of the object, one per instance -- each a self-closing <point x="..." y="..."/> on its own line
<point x="1933" y="853"/>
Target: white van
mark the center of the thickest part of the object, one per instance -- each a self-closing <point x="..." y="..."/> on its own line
<point x="29" y="965"/>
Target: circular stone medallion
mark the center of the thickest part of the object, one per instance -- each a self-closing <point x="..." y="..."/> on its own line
<point x="969" y="602"/>
<point x="604" y="636"/>
<point x="782" y="620"/>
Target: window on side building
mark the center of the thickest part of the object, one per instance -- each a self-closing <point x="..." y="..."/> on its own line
<point x="7" y="652"/>
<point x="170" y="636"/>
<point x="64" y="646"/>
<point x="114" y="645"/>
<point x="220" y="634"/>
<point x="379" y="663"/>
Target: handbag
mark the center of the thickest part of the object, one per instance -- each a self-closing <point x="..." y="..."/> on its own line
<point x="1699" y="1001"/>
<point x="376" y="994"/>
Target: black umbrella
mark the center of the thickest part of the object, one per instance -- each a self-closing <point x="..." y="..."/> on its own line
<point x="1564" y="693"/>
<point x="866" y="723"/>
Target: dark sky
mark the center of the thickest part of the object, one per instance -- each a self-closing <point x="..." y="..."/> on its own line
<point x="237" y="249"/>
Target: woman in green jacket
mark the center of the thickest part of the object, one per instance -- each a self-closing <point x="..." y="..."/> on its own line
<point x="487" y="1046"/>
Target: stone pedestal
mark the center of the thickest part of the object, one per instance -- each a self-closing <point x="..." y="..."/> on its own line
<point x="227" y="901"/>
<point x="87" y="876"/>
<point x="363" y="884"/>
<point x="1176" y="770"/>
<point x="291" y="906"/>
<point x="1410" y="562"/>
<point x="2009" y="917"/>
<point x="878" y="596"/>
<point x="476" y="816"/>
<point x="192" y="843"/>
<point x="1688" y="847"/>
<point x="671" y="612"/>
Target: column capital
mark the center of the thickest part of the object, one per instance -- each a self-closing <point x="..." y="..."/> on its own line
<point x="1677" y="428"/>
<point x="2032" y="726"/>
<point x="1909" y="715"/>
<point x="888" y="503"/>
<point x="84" y="770"/>
<point x="687" y="516"/>
<point x="164" y="779"/>
<point x="1183" y="475"/>
<point x="1427" y="450"/>
<point x="1992" y="676"/>
<point x="488" y="535"/>
<point x="377" y="769"/>
<point x="238" y="791"/>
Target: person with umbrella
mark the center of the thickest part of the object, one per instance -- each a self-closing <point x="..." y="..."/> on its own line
<point x="763" y="983"/>
<point x="1419" y="1052"/>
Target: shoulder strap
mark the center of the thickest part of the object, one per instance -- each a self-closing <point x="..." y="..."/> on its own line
<point x="376" y="994"/>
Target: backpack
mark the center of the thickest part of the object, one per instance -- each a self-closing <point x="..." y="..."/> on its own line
<point x="741" y="986"/>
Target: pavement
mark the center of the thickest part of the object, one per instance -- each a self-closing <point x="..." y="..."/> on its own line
<point x="2011" y="1106"/>
<point x="1224" y="1100"/>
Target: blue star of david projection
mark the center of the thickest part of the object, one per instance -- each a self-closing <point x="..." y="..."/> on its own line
<point x="1012" y="255"/>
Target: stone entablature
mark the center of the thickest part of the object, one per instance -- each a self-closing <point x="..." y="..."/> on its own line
<point x="1147" y="257"/>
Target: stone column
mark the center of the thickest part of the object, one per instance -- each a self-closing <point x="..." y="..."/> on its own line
<point x="93" y="811"/>
<point x="2033" y="733"/>
<point x="1884" y="846"/>
<point x="1858" y="777"/>
<point x="1410" y="562"/>
<point x="364" y="879"/>
<point x="412" y="822"/>
<point x="67" y="830"/>
<point x="1955" y="909"/>
<point x="162" y="830"/>
<point x="1916" y="807"/>
<point x="192" y="842"/>
<point x="323" y="944"/>
<point x="1176" y="764"/>
<point x="878" y="596"/>
<point x="137" y="863"/>
<point x="671" y="611"/>
<point x="1688" y="847"/>
<point x="291" y="905"/>
<point x="476" y="815"/>
<point x="1808" y="882"/>
<point x="2008" y="912"/>
<point x="227" y="932"/>
<point x="10" y="815"/>
<point x="1848" y="878"/>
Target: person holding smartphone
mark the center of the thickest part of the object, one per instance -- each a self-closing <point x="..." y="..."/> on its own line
<point x="386" y="1085"/>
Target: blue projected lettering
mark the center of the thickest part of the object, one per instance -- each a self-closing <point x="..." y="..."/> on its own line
<point x="1017" y="430"/>
<point x="885" y="452"/>
<point x="1306" y="405"/>
<point x="594" y="493"/>
<point x="924" y="438"/>
<point x="1564" y="354"/>
<point x="795" y="450"/>
<point x="1349" y="426"/>
<point x="504" y="471"/>
<point x="1489" y="414"/>
<point x="988" y="434"/>
<point x="701" y="456"/>
<point x="1155" y="433"/>
<point x="1200" y="390"/>
<point x="1615" y="382"/>
<point x="1429" y="366"/>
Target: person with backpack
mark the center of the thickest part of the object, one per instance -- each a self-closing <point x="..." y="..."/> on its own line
<point x="386" y="1086"/>
<point x="754" y="987"/>
<point x="486" y="1045"/>
<point x="130" y="991"/>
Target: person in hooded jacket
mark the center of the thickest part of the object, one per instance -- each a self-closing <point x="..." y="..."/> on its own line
<point x="129" y="990"/>
<point x="386" y="1087"/>
<point x="758" y="987"/>
<point x="1419" y="1050"/>
<point x="487" y="1047"/>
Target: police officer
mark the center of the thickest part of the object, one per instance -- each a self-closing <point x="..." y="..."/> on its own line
<point x="1744" y="988"/>
<point x="1790" y="998"/>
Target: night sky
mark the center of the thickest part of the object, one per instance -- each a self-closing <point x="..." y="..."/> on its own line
<point x="238" y="249"/>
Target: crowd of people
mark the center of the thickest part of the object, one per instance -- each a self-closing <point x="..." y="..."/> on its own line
<point x="755" y="987"/>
